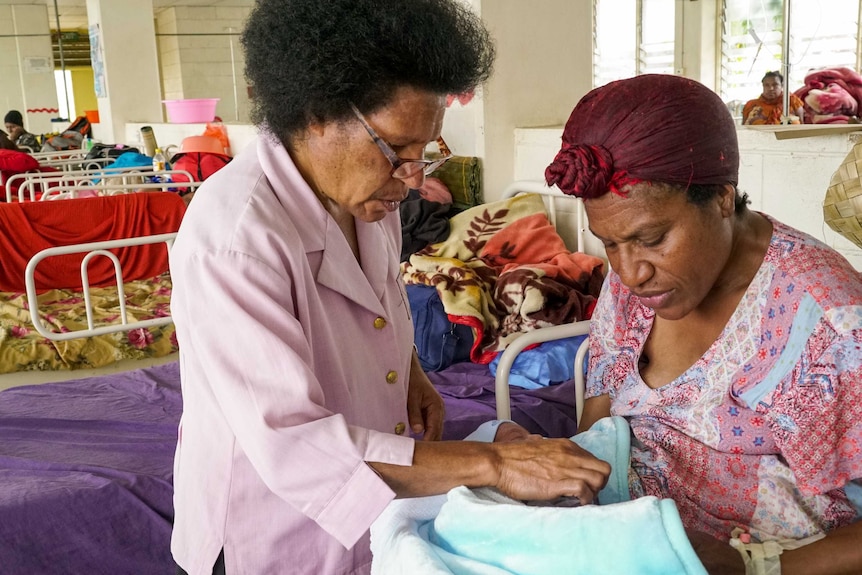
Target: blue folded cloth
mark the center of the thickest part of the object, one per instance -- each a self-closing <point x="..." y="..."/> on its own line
<point x="480" y="529"/>
<point x="550" y="362"/>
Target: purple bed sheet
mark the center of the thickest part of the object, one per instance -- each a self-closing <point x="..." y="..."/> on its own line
<point x="468" y="393"/>
<point x="86" y="466"/>
<point x="86" y="471"/>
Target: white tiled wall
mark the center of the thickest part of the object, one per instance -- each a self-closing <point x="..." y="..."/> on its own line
<point x="200" y="56"/>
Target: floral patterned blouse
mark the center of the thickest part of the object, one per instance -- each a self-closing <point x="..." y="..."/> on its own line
<point x="764" y="431"/>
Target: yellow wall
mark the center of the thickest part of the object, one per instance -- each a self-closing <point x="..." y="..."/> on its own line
<point x="83" y="90"/>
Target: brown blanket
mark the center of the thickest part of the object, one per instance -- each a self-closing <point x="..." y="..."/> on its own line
<point x="504" y="270"/>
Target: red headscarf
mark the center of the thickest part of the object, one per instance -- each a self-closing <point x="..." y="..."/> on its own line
<point x="652" y="127"/>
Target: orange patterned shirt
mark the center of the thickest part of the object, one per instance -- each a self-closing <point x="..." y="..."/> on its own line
<point x="761" y="111"/>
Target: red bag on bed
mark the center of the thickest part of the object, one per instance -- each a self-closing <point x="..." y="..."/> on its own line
<point x="200" y="165"/>
<point x="26" y="228"/>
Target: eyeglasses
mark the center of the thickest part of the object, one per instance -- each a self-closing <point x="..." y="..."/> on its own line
<point x="401" y="168"/>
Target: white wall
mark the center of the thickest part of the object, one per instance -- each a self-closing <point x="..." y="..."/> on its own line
<point x="201" y="56"/>
<point x="167" y="135"/>
<point x="126" y="34"/>
<point x="788" y="179"/>
<point x="544" y="66"/>
<point x="785" y="178"/>
<point x="28" y="85"/>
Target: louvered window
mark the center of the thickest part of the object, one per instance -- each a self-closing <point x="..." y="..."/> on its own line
<point x="631" y="38"/>
<point x="823" y="34"/>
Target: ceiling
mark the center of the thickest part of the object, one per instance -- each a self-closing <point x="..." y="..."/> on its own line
<point x="73" y="13"/>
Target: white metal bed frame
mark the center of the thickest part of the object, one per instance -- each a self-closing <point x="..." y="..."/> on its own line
<point x="553" y="196"/>
<point x="95" y="249"/>
<point x="75" y="163"/>
<point x="105" y="181"/>
<point x="59" y="155"/>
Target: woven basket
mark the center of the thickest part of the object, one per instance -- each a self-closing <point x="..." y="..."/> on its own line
<point x="842" y="208"/>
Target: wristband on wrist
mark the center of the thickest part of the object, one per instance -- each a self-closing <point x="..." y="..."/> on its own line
<point x="759" y="558"/>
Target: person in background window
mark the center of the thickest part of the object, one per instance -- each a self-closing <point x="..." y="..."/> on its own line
<point x="300" y="382"/>
<point x="769" y="106"/>
<point x="19" y="136"/>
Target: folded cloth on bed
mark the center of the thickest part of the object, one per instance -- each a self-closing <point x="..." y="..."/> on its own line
<point x="548" y="363"/>
<point x="479" y="529"/>
<point x="29" y="227"/>
<point x="503" y="271"/>
<point x="483" y="532"/>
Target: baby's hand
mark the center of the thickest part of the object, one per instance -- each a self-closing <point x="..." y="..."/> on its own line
<point x="510" y="431"/>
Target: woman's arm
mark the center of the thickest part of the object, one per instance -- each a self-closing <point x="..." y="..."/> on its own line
<point x="595" y="408"/>
<point x="526" y="469"/>
<point x="746" y="111"/>
<point x="838" y="553"/>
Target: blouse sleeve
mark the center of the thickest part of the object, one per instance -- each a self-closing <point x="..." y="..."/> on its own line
<point x="795" y="103"/>
<point x="817" y="418"/>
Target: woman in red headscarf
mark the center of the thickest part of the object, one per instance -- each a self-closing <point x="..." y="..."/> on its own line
<point x="728" y="340"/>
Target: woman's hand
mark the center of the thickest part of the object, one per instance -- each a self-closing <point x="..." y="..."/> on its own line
<point x="543" y="470"/>
<point x="425" y="408"/>
<point x="589" y="473"/>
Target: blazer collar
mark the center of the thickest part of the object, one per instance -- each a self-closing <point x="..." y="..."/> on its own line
<point x="338" y="269"/>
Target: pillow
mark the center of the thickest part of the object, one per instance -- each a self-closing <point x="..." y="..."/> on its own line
<point x="462" y="175"/>
<point x="15" y="162"/>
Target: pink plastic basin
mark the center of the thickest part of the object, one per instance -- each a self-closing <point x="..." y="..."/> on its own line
<point x="191" y="110"/>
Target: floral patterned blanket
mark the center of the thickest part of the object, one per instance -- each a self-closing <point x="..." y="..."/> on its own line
<point x="504" y="270"/>
<point x="23" y="349"/>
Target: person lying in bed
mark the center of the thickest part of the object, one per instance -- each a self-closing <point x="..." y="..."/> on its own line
<point x="300" y="381"/>
<point x="730" y="342"/>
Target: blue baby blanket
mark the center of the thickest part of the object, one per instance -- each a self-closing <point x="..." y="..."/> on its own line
<point x="482" y="532"/>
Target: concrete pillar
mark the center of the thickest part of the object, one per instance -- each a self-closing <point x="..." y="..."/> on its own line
<point x="27" y="66"/>
<point x="127" y="80"/>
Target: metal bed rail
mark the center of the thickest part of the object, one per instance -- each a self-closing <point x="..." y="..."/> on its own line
<point x="71" y="192"/>
<point x="76" y="163"/>
<point x="516" y="346"/>
<point x="554" y="199"/>
<point x="93" y="249"/>
<point x="59" y="155"/>
<point x="102" y="180"/>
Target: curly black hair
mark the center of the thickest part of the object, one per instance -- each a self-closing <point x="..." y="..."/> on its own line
<point x="776" y="74"/>
<point x="700" y="194"/>
<point x="307" y="59"/>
